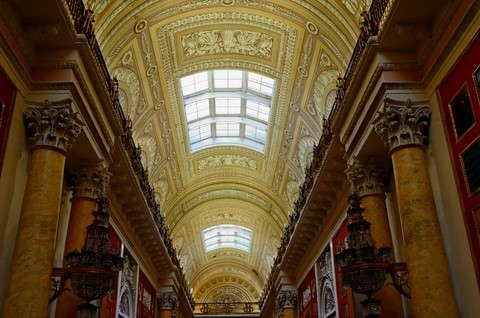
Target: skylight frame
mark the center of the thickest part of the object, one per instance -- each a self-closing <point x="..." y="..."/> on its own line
<point x="227" y="236"/>
<point x="236" y="108"/>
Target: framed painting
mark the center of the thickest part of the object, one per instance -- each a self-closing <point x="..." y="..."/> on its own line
<point x="461" y="112"/>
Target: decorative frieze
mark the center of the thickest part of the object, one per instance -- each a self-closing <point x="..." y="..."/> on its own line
<point x="227" y="41"/>
<point x="167" y="301"/>
<point x="52" y="124"/>
<point x="403" y="123"/>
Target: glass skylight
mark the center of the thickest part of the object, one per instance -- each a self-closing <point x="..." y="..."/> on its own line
<point x="227" y="107"/>
<point x="227" y="236"/>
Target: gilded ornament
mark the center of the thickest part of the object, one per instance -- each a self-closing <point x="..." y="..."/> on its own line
<point x="403" y="123"/>
<point x="140" y="26"/>
<point x="52" y="124"/>
<point x="227" y="41"/>
<point x="312" y="28"/>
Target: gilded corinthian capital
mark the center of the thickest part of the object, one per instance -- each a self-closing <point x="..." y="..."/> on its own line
<point x="366" y="178"/>
<point x="52" y="124"/>
<point x="88" y="181"/>
<point x="403" y="123"/>
<point x="286" y="299"/>
<point x="166" y="301"/>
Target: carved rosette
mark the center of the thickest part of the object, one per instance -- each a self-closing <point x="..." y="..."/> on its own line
<point x="88" y="182"/>
<point x="167" y="301"/>
<point x="52" y="124"/>
<point x="286" y="299"/>
<point x="403" y="123"/>
<point x="365" y="178"/>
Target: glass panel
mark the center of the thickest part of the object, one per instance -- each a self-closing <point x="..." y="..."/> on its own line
<point x="228" y="129"/>
<point x="197" y="110"/>
<point x="255" y="133"/>
<point x="227" y="236"/>
<point x="258" y="110"/>
<point x="260" y="83"/>
<point x="194" y="83"/>
<point x="227" y="79"/>
<point x="227" y="106"/>
<point x="239" y="97"/>
<point x="200" y="133"/>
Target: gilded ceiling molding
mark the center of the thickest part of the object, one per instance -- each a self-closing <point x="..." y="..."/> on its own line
<point x="221" y="218"/>
<point x="326" y="79"/>
<point x="225" y="41"/>
<point x="219" y="293"/>
<point x="288" y="132"/>
<point x="226" y="194"/>
<point x="225" y="160"/>
<point x="131" y="84"/>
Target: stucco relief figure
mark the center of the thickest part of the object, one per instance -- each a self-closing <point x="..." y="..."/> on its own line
<point x="227" y="41"/>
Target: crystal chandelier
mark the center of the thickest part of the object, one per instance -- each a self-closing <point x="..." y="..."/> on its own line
<point x="363" y="266"/>
<point x="93" y="271"/>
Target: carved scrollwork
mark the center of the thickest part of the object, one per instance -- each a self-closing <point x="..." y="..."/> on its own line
<point x="167" y="301"/>
<point x="52" y="124"/>
<point x="403" y="123"/>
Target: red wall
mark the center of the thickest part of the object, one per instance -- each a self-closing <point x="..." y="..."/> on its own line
<point x="344" y="295"/>
<point x="307" y="296"/>
<point x="7" y="93"/>
<point x="146" y="297"/>
<point x="109" y="302"/>
<point x="459" y="95"/>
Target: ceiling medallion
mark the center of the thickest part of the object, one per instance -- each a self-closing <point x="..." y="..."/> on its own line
<point x="140" y="26"/>
<point x="312" y="28"/>
<point x="228" y="2"/>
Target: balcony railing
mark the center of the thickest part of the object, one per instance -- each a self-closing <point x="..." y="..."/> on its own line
<point x="227" y="307"/>
<point x="82" y="20"/>
<point x="370" y="25"/>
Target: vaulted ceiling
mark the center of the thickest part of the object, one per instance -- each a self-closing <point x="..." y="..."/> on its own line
<point x="150" y="45"/>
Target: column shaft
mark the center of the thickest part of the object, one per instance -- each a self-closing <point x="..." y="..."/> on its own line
<point x="28" y="288"/>
<point x="164" y="314"/>
<point x="376" y="213"/>
<point x="80" y="218"/>
<point x="429" y="278"/>
<point x="289" y="313"/>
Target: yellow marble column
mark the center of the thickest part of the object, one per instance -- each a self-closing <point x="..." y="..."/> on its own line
<point x="52" y="128"/>
<point x="167" y="302"/>
<point x="87" y="184"/>
<point x="289" y="313"/>
<point x="402" y="126"/>
<point x="367" y="182"/>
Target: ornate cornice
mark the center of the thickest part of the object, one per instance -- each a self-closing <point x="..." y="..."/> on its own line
<point x="88" y="181"/>
<point x="365" y="178"/>
<point x="167" y="301"/>
<point x="403" y="123"/>
<point x="52" y="124"/>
